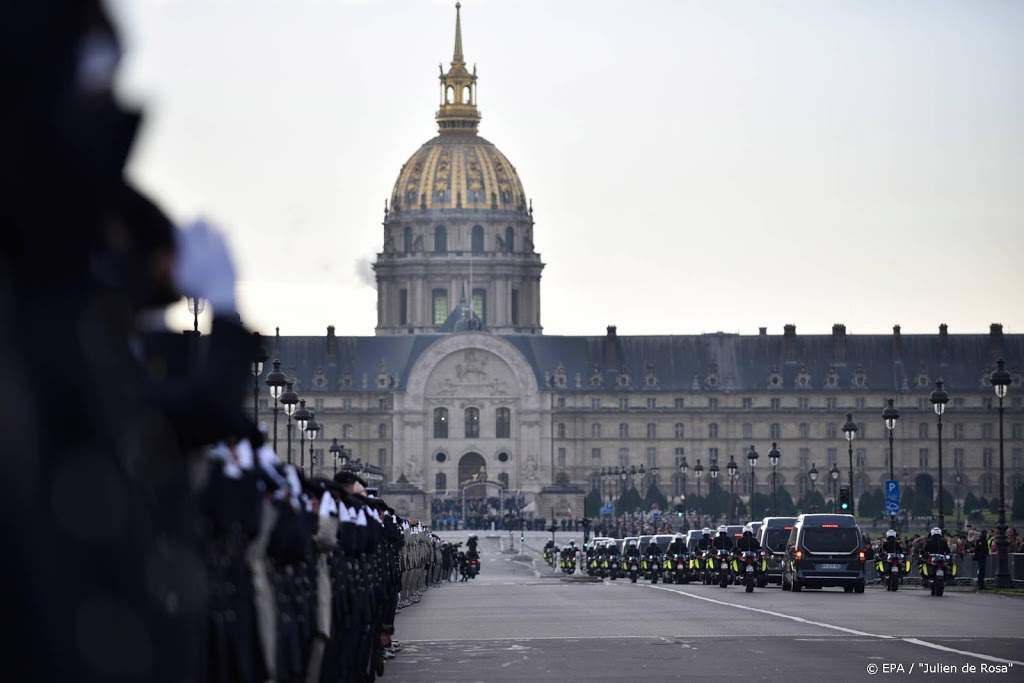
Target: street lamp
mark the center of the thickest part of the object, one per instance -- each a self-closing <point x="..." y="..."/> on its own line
<point x="337" y="452"/>
<point x="698" y="470"/>
<point x="890" y="414"/>
<point x="733" y="469"/>
<point x="289" y="399"/>
<point x="850" y="430"/>
<point x="312" y="428"/>
<point x="257" y="369"/>
<point x="752" y="457"/>
<point x="302" y="417"/>
<point x="939" y="399"/>
<point x="713" y="471"/>
<point x="812" y="474"/>
<point x="773" y="456"/>
<point x="1001" y="381"/>
<point x="195" y="307"/>
<point x="276" y="382"/>
<point x="833" y="474"/>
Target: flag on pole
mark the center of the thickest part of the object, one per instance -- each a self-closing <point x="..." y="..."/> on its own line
<point x="570" y="511"/>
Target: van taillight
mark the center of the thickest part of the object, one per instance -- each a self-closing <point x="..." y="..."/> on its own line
<point x="788" y="528"/>
<point x="799" y="555"/>
<point x="830" y="526"/>
<point x="861" y="555"/>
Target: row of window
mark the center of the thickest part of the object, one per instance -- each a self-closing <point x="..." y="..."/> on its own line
<point x="471" y="423"/>
<point x="476" y="239"/>
<point x="832" y="430"/>
<point x="441" y="305"/>
<point x="803" y="403"/>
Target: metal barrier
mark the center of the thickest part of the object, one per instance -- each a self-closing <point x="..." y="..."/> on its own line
<point x="967" y="571"/>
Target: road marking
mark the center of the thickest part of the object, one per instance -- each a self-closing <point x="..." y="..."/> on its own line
<point x="913" y="641"/>
<point x="773" y="614"/>
<point x="967" y="653"/>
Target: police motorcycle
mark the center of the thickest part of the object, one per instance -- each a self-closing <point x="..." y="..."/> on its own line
<point x="937" y="568"/>
<point x="568" y="561"/>
<point x="551" y="554"/>
<point x="936" y="564"/>
<point x="891" y="569"/>
<point x="611" y="564"/>
<point x="748" y="566"/>
<point x="651" y="566"/>
<point x="631" y="564"/>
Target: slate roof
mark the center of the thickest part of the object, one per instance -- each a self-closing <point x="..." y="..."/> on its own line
<point x="679" y="363"/>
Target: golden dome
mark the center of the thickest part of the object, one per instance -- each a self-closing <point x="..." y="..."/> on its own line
<point x="458" y="171"/>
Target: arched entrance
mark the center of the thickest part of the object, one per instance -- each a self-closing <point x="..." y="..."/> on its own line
<point x="472" y="467"/>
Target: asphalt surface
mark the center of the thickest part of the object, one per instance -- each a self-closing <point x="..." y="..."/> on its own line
<point x="516" y="623"/>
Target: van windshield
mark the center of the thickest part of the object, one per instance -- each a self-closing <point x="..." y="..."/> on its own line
<point x="831" y="539"/>
<point x="773" y="538"/>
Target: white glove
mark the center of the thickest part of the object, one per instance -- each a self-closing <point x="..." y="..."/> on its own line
<point x="203" y="268"/>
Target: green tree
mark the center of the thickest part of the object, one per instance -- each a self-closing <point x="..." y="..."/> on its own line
<point x="741" y="510"/>
<point x="1018" y="504"/>
<point x="924" y="494"/>
<point x="787" y="508"/>
<point x="812" y="500"/>
<point x="866" y="505"/>
<point x="629" y="501"/>
<point x="654" y="495"/>
<point x="717" y="503"/>
<point x="759" y="505"/>
<point x="592" y="504"/>
<point x="971" y="503"/>
<point x="947" y="502"/>
<point x="907" y="498"/>
<point x="879" y="497"/>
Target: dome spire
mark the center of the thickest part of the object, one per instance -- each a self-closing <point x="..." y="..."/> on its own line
<point x="458" y="112"/>
<point x="457" y="56"/>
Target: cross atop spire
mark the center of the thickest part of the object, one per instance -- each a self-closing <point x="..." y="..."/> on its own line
<point x="458" y="112"/>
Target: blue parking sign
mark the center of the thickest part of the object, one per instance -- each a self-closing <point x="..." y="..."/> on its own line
<point x="892" y="497"/>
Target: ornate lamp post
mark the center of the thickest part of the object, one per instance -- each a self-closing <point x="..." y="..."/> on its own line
<point x="289" y="399"/>
<point x="1001" y="381"/>
<point x="698" y="470"/>
<point x="733" y="469"/>
<point x="752" y="457"/>
<point x="834" y="476"/>
<point x="276" y="382"/>
<point x="302" y="417"/>
<point x="713" y="471"/>
<point x="312" y="429"/>
<point x="773" y="457"/>
<point x="257" y="369"/>
<point x="337" y="452"/>
<point x="890" y="414"/>
<point x="939" y="399"/>
<point x="850" y="430"/>
<point x="812" y="474"/>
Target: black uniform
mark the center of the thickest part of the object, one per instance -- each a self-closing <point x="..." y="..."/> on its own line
<point x="677" y="546"/>
<point x="704" y="543"/>
<point x="892" y="545"/>
<point x="722" y="541"/>
<point x="936" y="544"/>
<point x="747" y="542"/>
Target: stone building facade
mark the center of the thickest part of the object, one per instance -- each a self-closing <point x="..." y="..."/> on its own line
<point x="459" y="382"/>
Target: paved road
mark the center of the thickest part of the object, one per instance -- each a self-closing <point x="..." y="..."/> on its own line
<point x="512" y="624"/>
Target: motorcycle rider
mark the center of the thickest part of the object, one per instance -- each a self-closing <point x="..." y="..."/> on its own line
<point x="705" y="542"/>
<point x="891" y="544"/>
<point x="936" y="543"/>
<point x="632" y="550"/>
<point x="677" y="546"/>
<point x="722" y="540"/>
<point x="748" y="541"/>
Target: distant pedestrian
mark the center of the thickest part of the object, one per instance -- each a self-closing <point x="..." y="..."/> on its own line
<point x="981" y="557"/>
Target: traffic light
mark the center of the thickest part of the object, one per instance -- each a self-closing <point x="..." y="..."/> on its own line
<point x="844" y="499"/>
<point x="679" y="510"/>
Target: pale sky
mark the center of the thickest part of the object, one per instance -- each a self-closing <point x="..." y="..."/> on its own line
<point x="693" y="166"/>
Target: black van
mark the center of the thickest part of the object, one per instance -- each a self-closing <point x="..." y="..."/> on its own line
<point x="824" y="550"/>
<point x="773" y="535"/>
